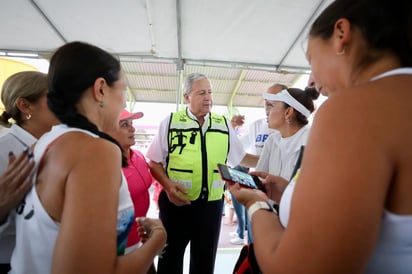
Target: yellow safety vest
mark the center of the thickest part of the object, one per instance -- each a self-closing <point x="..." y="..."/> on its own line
<point x="193" y="157"/>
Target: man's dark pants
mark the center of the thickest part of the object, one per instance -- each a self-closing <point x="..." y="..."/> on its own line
<point x="197" y="223"/>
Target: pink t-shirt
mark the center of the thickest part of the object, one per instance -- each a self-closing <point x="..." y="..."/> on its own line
<point x="139" y="181"/>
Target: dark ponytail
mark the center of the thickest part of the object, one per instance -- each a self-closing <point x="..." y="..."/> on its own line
<point x="73" y="69"/>
<point x="306" y="98"/>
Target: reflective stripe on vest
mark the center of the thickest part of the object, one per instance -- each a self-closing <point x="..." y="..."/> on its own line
<point x="192" y="160"/>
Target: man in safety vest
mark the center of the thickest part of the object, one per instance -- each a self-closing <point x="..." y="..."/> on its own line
<point x="183" y="159"/>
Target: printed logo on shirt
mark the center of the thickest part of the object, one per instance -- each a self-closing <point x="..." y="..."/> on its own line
<point x="124" y="223"/>
<point x="261" y="138"/>
<point x="183" y="118"/>
<point x="20" y="210"/>
<point x="217" y="119"/>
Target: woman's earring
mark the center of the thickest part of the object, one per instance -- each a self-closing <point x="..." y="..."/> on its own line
<point x="288" y="121"/>
<point x="28" y="116"/>
<point x="342" y="52"/>
<point x="102" y="104"/>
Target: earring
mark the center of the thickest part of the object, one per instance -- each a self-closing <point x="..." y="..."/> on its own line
<point x="102" y="104"/>
<point x="288" y="121"/>
<point x="28" y="116"/>
<point x="342" y="52"/>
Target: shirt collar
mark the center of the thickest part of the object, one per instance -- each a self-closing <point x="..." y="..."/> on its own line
<point x="192" y="116"/>
<point x="22" y="134"/>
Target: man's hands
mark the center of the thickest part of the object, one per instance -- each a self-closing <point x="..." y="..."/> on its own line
<point x="172" y="188"/>
<point x="172" y="191"/>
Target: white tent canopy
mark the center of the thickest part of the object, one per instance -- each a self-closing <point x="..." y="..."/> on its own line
<point x="243" y="45"/>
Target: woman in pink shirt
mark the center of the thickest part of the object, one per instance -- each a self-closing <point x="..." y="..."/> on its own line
<point x="137" y="172"/>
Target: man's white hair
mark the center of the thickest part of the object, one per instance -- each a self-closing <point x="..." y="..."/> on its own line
<point x="190" y="79"/>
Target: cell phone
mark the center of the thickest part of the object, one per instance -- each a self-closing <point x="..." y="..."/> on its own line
<point x="233" y="176"/>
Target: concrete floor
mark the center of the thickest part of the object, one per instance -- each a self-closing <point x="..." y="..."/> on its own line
<point x="227" y="253"/>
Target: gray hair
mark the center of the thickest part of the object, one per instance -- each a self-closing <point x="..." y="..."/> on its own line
<point x="190" y="79"/>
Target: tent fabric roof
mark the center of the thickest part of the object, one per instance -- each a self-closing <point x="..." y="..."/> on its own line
<point x="243" y="46"/>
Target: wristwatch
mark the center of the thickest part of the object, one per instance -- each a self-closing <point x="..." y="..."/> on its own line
<point x="260" y="205"/>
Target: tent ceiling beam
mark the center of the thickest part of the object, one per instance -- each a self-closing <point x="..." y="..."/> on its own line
<point x="51" y="24"/>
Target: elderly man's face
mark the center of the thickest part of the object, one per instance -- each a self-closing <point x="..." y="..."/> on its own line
<point x="200" y="98"/>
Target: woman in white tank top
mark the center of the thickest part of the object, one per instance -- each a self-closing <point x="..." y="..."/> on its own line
<point x="77" y="216"/>
<point x="351" y="210"/>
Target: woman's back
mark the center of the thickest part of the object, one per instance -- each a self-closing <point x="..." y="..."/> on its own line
<point x="79" y="183"/>
<point x="393" y="251"/>
<point x="39" y="220"/>
<point x="366" y="124"/>
<point x="385" y="108"/>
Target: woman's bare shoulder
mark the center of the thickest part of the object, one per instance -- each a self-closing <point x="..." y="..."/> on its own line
<point x="75" y="147"/>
